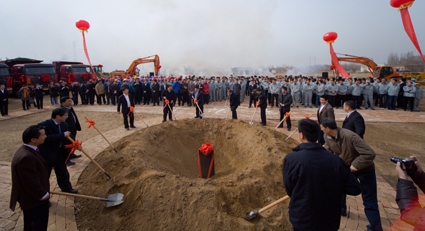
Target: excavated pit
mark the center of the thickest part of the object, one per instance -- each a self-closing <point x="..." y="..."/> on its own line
<point x="156" y="169"/>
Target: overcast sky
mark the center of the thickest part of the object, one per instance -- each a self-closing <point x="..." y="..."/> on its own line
<point x="205" y="34"/>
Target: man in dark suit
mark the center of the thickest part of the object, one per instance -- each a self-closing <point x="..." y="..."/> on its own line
<point x="262" y="103"/>
<point x="126" y="101"/>
<point x="53" y="148"/>
<point x="4" y="101"/>
<point x="30" y="180"/>
<point x="354" y="121"/>
<point x="73" y="125"/>
<point x="170" y="97"/>
<point x="198" y="98"/>
<point x="234" y="103"/>
<point x="325" y="110"/>
<point x="285" y="101"/>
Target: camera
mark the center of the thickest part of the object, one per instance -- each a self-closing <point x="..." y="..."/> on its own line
<point x="407" y="164"/>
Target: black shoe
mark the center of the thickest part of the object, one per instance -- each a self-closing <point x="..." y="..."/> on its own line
<point x="196" y="117"/>
<point x="289" y="129"/>
<point x="171" y="119"/>
<point x="280" y="127"/>
<point x="73" y="156"/>
<point x="128" y="129"/>
<point x="343" y="213"/>
<point x="133" y="126"/>
<point x="75" y="191"/>
<point x="164" y="121"/>
<point x="69" y="163"/>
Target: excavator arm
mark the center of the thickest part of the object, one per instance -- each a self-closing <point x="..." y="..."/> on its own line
<point x="131" y="70"/>
<point x="358" y="59"/>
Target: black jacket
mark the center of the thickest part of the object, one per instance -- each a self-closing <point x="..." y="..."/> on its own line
<point x="199" y="97"/>
<point x="407" y="200"/>
<point x="54" y="144"/>
<point x="263" y="100"/>
<point x="316" y="179"/>
<point x="169" y="95"/>
<point x="355" y="123"/>
<point x="125" y="107"/>
<point x="234" y="100"/>
<point x="73" y="123"/>
<point x="286" y="100"/>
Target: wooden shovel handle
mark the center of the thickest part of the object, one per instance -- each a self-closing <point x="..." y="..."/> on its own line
<point x="78" y="195"/>
<point x="112" y="146"/>
<point x="88" y="156"/>
<point x="274" y="203"/>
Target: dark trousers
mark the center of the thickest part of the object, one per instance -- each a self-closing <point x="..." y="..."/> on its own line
<point x="39" y="102"/>
<point x="100" y="98"/>
<point x="75" y="99"/>
<point x="234" y="114"/>
<point x="90" y="96"/>
<point x="185" y="98"/>
<point x="4" y="107"/>
<point x="62" y="174"/>
<point x="168" y="111"/>
<point x="370" y="199"/>
<point x="274" y="97"/>
<point x="108" y="98"/>
<point x="125" y="117"/>
<point x="392" y="100"/>
<point x="206" y="99"/>
<point x="146" y="98"/>
<point x="321" y="140"/>
<point x="83" y="99"/>
<point x="112" y="96"/>
<point x="383" y="100"/>
<point x="332" y="99"/>
<point x="283" y="111"/>
<point x="376" y="99"/>
<point x="155" y="98"/>
<point x="36" y="218"/>
<point x="138" y="97"/>
<point x="263" y="116"/>
<point x="25" y="104"/>
<point x="358" y="100"/>
<point x="400" y="100"/>
<point x="251" y="100"/>
<point x="408" y="100"/>
<point x="201" y="106"/>
<point x="340" y="100"/>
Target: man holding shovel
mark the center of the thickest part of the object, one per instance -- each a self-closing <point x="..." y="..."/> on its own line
<point x="285" y="101"/>
<point x="198" y="99"/>
<point x="316" y="179"/>
<point x="169" y="99"/>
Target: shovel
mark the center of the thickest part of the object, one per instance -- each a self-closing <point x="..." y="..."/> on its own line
<point x="201" y="113"/>
<point x="92" y="160"/>
<point x="284" y="118"/>
<point x="112" y="200"/>
<point x="171" y="110"/>
<point x="254" y="213"/>
<point x="252" y="118"/>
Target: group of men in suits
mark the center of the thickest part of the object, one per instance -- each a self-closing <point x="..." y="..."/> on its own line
<point x="43" y="150"/>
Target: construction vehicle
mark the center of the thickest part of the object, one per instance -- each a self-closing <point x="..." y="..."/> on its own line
<point x="31" y="72"/>
<point x="5" y="78"/>
<point x="131" y="70"/>
<point x="386" y="72"/>
<point x="70" y="72"/>
<point x="98" y="69"/>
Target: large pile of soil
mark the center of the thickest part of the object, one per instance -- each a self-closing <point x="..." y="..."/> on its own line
<point x="156" y="170"/>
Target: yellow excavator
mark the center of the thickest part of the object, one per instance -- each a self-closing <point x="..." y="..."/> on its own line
<point x="131" y="70"/>
<point x="387" y="72"/>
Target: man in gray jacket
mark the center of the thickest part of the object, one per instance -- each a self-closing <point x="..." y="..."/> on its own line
<point x="355" y="152"/>
<point x="356" y="91"/>
<point x="308" y="93"/>
<point x="383" y="93"/>
<point x="368" y="95"/>
<point x="409" y="93"/>
<point x="392" y="90"/>
<point x="418" y="96"/>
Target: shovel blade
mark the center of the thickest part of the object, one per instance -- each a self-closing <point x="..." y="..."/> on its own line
<point x="115" y="199"/>
<point x="251" y="215"/>
<point x="250" y="122"/>
<point x="202" y="115"/>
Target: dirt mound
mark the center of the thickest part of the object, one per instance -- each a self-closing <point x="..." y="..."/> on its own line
<point x="156" y="170"/>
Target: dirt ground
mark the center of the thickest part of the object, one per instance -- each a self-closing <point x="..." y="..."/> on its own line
<point x="159" y="172"/>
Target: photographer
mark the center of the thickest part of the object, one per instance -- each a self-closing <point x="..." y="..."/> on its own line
<point x="407" y="195"/>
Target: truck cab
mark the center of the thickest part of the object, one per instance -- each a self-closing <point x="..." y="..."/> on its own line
<point x="33" y="73"/>
<point x="70" y="72"/>
<point x="5" y="78"/>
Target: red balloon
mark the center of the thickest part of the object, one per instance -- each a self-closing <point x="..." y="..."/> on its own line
<point x="330" y="37"/>
<point x="398" y="3"/>
<point x="82" y="25"/>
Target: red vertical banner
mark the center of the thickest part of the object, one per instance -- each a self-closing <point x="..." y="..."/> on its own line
<point x="329" y="38"/>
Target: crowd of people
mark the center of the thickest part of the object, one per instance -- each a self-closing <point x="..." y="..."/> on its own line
<point x="342" y="152"/>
